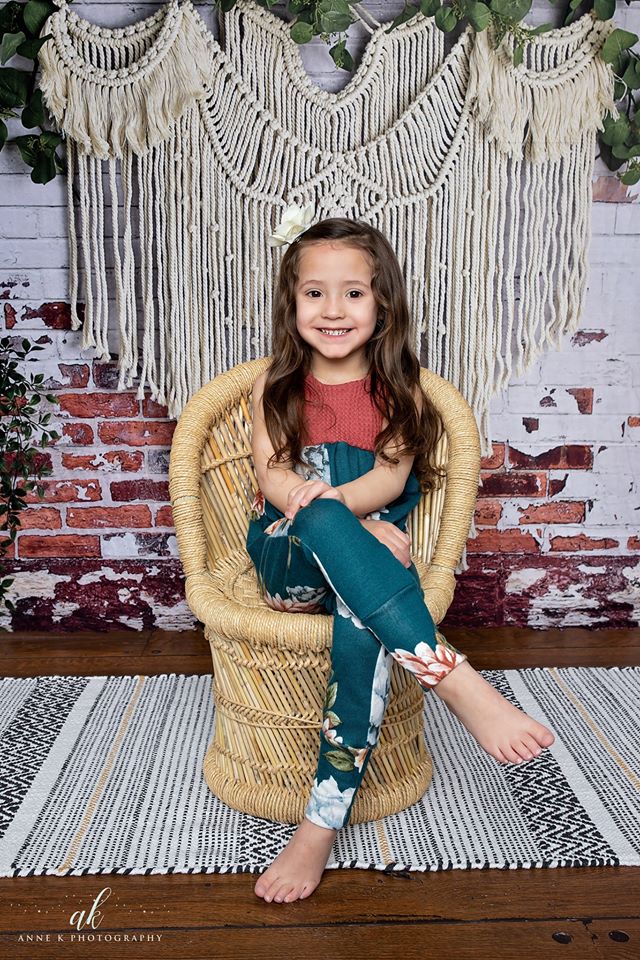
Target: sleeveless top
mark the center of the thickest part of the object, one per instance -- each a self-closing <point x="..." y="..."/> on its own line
<point x="341" y="412"/>
<point x="340" y="426"/>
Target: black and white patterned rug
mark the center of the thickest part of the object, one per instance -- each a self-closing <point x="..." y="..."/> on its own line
<point x="104" y="775"/>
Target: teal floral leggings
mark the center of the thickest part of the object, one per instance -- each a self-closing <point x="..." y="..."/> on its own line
<point x="325" y="561"/>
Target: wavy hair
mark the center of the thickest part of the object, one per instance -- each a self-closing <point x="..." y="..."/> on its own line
<point x="393" y="365"/>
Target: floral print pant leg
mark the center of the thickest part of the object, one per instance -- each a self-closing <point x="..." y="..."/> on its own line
<point x="328" y="562"/>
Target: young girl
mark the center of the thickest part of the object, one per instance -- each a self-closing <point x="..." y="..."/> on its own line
<point x="342" y="438"/>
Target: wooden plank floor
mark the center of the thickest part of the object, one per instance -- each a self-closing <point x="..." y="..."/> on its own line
<point x="451" y="915"/>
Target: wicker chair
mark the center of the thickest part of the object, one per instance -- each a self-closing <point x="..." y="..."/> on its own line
<point x="270" y="668"/>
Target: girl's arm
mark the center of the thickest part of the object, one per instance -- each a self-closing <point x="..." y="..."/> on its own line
<point x="384" y="483"/>
<point x="375" y="489"/>
<point x="275" y="482"/>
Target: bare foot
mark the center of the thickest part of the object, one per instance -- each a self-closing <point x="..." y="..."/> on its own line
<point x="504" y="731"/>
<point x="298" y="869"/>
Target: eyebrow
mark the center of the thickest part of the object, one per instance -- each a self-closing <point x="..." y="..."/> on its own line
<point x="361" y="282"/>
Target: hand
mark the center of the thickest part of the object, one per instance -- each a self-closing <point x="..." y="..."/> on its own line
<point x="305" y="492"/>
<point x="398" y="542"/>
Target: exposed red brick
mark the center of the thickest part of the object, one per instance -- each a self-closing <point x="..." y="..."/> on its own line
<point x="137" y="433"/>
<point x="9" y="316"/>
<point x="55" y="315"/>
<point x="106" y="375"/>
<point x="584" y="398"/>
<point x="531" y="424"/>
<point x="151" y="408"/>
<point x="503" y="541"/>
<point x="120" y="460"/>
<point x="570" y="456"/>
<point x="548" y="401"/>
<point x="633" y="543"/>
<point x="610" y="190"/>
<point x="557" y="485"/>
<point x="582" y="542"/>
<point x="139" y="489"/>
<point x="633" y="421"/>
<point x="66" y="491"/>
<point x="98" y="517"/>
<point x="99" y="404"/>
<point x="62" y="545"/>
<point x="582" y="338"/>
<point x="79" y="433"/>
<point x="513" y="485"/>
<point x="487" y="512"/>
<point x="46" y="518"/>
<point x="164" y="517"/>
<point x="495" y="459"/>
<point x="563" y="511"/>
<point x="74" y="374"/>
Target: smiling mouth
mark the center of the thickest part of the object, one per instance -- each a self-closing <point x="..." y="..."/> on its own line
<point x="334" y="333"/>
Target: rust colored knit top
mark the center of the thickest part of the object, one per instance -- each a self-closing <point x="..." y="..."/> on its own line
<point x="341" y="411"/>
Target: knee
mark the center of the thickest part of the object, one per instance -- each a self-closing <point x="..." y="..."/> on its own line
<point x="318" y="515"/>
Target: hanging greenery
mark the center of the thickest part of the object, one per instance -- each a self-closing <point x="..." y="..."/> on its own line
<point x="21" y="24"/>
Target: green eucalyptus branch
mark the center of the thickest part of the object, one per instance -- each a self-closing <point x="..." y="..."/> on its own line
<point x="21" y="459"/>
<point x="22" y="22"/>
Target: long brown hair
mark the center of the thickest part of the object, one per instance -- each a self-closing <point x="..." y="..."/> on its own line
<point x="393" y="365"/>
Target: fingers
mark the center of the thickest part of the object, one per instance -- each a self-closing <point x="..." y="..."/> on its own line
<point x="301" y="495"/>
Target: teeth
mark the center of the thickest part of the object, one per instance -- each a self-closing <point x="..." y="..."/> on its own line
<point x="335" y="333"/>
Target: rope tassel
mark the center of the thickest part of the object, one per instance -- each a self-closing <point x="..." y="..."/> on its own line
<point x="558" y="103"/>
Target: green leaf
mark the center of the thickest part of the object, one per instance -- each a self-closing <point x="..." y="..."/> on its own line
<point x="333" y="15"/>
<point x="429" y="7"/>
<point x="518" y="53"/>
<point x="11" y="17"/>
<point x="624" y="152"/>
<point x="49" y="140"/>
<point x="604" y="9"/>
<point x="31" y="48"/>
<point x="33" y="113"/>
<point x="511" y="9"/>
<point x="631" y="176"/>
<point x="541" y="28"/>
<point x="14" y="86"/>
<point x="44" y="169"/>
<point x="631" y="76"/>
<point x="35" y="13"/>
<point x="9" y="45"/>
<point x="301" y="32"/>
<point x="27" y="145"/>
<point x="615" y="131"/>
<point x="339" y="760"/>
<point x="479" y="15"/>
<point x="617" y="41"/>
<point x="446" y="19"/>
<point x="3" y="133"/>
<point x="341" y="56"/>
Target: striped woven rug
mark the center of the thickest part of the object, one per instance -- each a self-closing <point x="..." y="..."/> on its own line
<point x="104" y="775"/>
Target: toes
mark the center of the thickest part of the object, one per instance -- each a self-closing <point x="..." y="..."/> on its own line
<point x="280" y="893"/>
<point x="510" y="754"/>
<point x="531" y="744"/>
<point x="291" y="895"/>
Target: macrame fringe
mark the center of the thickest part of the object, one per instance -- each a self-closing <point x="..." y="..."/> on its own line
<point x="495" y="247"/>
<point x="104" y="111"/>
<point x="558" y="106"/>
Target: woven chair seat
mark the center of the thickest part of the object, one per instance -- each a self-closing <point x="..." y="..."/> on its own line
<point x="271" y="667"/>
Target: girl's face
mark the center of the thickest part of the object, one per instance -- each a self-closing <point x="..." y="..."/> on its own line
<point x="334" y="293"/>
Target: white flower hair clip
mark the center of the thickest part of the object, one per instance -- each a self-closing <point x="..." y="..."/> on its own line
<point x="295" y="220"/>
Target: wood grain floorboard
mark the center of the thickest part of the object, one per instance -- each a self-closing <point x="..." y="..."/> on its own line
<point x="579" y="913"/>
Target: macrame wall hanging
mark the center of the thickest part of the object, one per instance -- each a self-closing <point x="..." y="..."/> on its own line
<point x="479" y="173"/>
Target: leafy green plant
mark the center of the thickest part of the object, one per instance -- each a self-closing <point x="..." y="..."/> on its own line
<point x="22" y="22"/>
<point x="20" y="28"/>
<point x="21" y="458"/>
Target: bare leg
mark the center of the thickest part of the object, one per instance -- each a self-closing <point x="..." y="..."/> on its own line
<point x="504" y="731"/>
